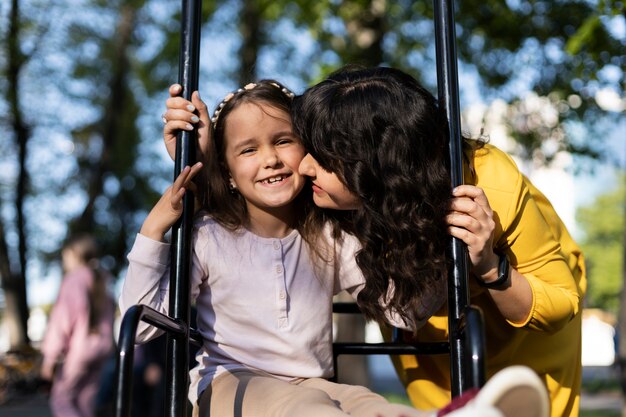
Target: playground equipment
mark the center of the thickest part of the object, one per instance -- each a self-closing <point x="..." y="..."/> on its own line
<point x="465" y="343"/>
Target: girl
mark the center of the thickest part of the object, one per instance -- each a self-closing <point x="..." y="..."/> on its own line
<point x="79" y="337"/>
<point x="391" y="169"/>
<point x="262" y="279"/>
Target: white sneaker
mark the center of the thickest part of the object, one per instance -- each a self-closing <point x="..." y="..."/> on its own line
<point x="515" y="391"/>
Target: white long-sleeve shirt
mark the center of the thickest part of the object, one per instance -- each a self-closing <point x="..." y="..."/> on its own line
<point x="262" y="303"/>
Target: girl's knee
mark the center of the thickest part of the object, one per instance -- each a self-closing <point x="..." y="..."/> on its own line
<point x="308" y="402"/>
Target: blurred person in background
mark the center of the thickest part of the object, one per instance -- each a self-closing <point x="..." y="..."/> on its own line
<point x="79" y="337"/>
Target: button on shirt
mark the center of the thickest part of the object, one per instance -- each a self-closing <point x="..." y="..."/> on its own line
<point x="261" y="302"/>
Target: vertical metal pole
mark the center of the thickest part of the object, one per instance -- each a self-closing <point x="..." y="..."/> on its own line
<point x="178" y="347"/>
<point x="448" y="90"/>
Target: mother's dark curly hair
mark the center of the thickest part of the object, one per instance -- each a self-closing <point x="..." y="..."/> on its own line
<point x="385" y="137"/>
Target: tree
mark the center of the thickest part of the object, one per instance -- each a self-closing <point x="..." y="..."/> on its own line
<point x="565" y="51"/>
<point x="604" y="245"/>
<point x="97" y="82"/>
<point x="602" y="223"/>
<point x="13" y="274"/>
<point x="621" y="321"/>
<point x="107" y="87"/>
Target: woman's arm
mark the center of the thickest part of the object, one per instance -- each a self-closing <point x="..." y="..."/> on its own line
<point x="471" y="220"/>
<point x="541" y="293"/>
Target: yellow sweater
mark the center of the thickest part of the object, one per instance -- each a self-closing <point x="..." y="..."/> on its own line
<point x="539" y="247"/>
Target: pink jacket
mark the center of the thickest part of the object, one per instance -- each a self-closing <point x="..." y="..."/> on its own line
<point x="67" y="337"/>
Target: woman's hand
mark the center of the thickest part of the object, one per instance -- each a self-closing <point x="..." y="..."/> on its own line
<point x="471" y="220"/>
<point x="182" y="114"/>
<point x="170" y="206"/>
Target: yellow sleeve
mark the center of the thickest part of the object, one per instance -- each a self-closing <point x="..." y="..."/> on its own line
<point x="525" y="234"/>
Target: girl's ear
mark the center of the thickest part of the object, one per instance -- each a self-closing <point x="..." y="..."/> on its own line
<point x="231" y="183"/>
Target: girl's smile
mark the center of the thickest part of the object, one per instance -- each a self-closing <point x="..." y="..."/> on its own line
<point x="275" y="180"/>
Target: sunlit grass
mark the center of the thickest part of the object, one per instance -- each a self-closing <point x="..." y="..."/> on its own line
<point x="600" y="413"/>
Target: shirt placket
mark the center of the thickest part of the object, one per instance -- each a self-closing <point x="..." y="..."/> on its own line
<point x="281" y="288"/>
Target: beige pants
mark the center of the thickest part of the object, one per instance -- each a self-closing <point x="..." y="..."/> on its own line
<point x="249" y="394"/>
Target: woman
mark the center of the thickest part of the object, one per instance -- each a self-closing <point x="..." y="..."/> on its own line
<point x="378" y="159"/>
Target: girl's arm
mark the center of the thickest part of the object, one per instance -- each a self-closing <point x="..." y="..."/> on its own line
<point x="147" y="281"/>
<point x="147" y="278"/>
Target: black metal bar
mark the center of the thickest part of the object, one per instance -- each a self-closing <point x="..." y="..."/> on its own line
<point x="126" y="350"/>
<point x="395" y="347"/>
<point x="473" y="330"/>
<point x="343" y="307"/>
<point x="362" y="348"/>
<point x="178" y="352"/>
<point x="448" y="92"/>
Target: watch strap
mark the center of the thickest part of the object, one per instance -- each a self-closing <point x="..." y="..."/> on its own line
<point x="503" y="274"/>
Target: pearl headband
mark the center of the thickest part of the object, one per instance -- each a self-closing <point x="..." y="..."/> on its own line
<point x="247" y="87"/>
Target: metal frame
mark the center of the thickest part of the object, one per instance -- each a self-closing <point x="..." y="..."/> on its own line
<point x="465" y="343"/>
<point x="469" y="335"/>
<point x="448" y="93"/>
<point x="466" y="340"/>
<point x="177" y="324"/>
<point x="177" y="363"/>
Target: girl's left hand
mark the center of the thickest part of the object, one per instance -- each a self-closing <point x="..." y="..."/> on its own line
<point x="170" y="206"/>
<point x="471" y="220"/>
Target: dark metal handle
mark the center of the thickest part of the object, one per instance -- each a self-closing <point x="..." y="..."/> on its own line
<point x="126" y="350"/>
<point x="448" y="91"/>
<point x="472" y="330"/>
<point x="178" y="354"/>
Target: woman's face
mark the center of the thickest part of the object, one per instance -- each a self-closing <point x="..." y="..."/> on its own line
<point x="328" y="191"/>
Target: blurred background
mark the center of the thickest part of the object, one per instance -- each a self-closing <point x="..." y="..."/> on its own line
<point x="83" y="84"/>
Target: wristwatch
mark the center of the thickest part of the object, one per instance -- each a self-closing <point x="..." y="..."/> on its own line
<point x="503" y="274"/>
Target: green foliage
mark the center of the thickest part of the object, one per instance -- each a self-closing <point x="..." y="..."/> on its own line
<point x="560" y="49"/>
<point x="600" y="413"/>
<point x="95" y="89"/>
<point x="603" y="245"/>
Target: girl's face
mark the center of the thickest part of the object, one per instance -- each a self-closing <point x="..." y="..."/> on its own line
<point x="328" y="191"/>
<point x="263" y="156"/>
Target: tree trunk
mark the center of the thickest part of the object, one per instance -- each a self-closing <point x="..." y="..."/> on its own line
<point x="111" y="119"/>
<point x="14" y="282"/>
<point x="366" y="33"/>
<point x="15" y="311"/>
<point x="250" y="31"/>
